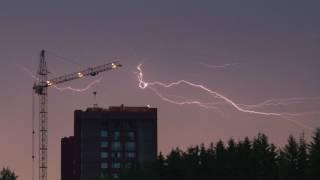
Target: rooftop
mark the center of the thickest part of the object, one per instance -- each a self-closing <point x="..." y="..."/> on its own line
<point x="121" y="108"/>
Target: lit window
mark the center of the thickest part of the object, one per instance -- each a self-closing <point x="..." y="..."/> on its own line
<point x="104" y="165"/>
<point x="116" y="135"/>
<point x="104" y="155"/>
<point x="116" y="146"/>
<point x="116" y="165"/>
<point x="130" y="146"/>
<point x="131" y="135"/>
<point x="131" y="155"/>
<point x="104" y="144"/>
<point x="104" y="133"/>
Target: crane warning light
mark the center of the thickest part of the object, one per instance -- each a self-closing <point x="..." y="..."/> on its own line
<point x="113" y="65"/>
<point x="80" y="75"/>
<point x="49" y="83"/>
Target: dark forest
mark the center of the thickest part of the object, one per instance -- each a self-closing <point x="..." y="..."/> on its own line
<point x="247" y="159"/>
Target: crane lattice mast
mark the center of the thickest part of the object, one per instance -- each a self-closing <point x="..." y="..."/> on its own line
<point x="41" y="89"/>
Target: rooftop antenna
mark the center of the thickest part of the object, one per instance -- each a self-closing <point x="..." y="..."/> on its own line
<point x="95" y="105"/>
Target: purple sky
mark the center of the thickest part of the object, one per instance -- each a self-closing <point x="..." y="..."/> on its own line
<point x="273" y="46"/>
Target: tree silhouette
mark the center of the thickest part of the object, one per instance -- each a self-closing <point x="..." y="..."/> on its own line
<point x="289" y="160"/>
<point x="264" y="158"/>
<point x="7" y="174"/>
<point x="314" y="169"/>
<point x="247" y="159"/>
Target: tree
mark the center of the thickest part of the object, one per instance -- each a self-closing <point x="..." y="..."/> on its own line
<point x="244" y="151"/>
<point x="7" y="174"/>
<point x="289" y="160"/>
<point x="220" y="167"/>
<point x="175" y="166"/>
<point x="232" y="163"/>
<point x="303" y="158"/>
<point x="315" y="156"/>
<point x="264" y="159"/>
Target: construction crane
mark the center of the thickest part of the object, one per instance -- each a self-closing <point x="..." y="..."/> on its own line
<point x="41" y="89"/>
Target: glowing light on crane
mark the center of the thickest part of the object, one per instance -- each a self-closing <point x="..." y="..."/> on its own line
<point x="80" y="74"/>
<point x="49" y="83"/>
<point x="113" y="65"/>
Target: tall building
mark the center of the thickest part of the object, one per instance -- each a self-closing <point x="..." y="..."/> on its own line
<point x="107" y="141"/>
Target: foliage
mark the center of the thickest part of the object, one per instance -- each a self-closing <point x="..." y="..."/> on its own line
<point x="7" y="174"/>
<point x="255" y="159"/>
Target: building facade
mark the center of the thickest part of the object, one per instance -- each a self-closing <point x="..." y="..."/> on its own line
<point x="107" y="141"/>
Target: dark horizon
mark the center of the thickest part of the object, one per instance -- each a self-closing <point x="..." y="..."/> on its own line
<point x="251" y="52"/>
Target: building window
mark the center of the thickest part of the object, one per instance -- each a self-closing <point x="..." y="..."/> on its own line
<point x="116" y="155"/>
<point x="131" y="155"/>
<point x="116" y="135"/>
<point x="104" y="155"/>
<point x="128" y="165"/>
<point x="116" y="146"/>
<point x="130" y="146"/>
<point x="104" y="144"/>
<point x="116" y="165"/>
<point x="115" y="176"/>
<point x="103" y="176"/>
<point x="131" y="136"/>
<point x="104" y="133"/>
<point x="131" y="125"/>
<point x="104" y="165"/>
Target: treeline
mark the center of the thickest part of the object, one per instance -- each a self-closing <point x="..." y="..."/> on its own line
<point x="7" y="174"/>
<point x="255" y="159"/>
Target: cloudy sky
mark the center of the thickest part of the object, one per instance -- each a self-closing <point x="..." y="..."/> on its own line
<point x="248" y="51"/>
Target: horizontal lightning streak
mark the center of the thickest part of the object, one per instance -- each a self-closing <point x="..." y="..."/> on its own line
<point x="213" y="105"/>
<point x="78" y="89"/>
<point x="280" y="102"/>
<point x="143" y="85"/>
<point x="180" y="103"/>
<point x="218" y="66"/>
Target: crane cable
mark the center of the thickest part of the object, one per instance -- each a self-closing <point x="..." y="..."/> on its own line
<point x="66" y="59"/>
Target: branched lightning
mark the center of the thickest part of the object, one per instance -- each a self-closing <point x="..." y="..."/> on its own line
<point x="28" y="71"/>
<point x="282" y="102"/>
<point x="78" y="89"/>
<point x="223" y="99"/>
<point x="144" y="85"/>
<point x="218" y="66"/>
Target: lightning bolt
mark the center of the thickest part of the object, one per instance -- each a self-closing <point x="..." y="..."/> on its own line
<point x="218" y="66"/>
<point x="223" y="99"/>
<point x="282" y="102"/>
<point x="26" y="70"/>
<point x="144" y="85"/>
<point x="78" y="89"/>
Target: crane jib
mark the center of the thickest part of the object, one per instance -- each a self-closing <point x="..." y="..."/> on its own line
<point x="87" y="72"/>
